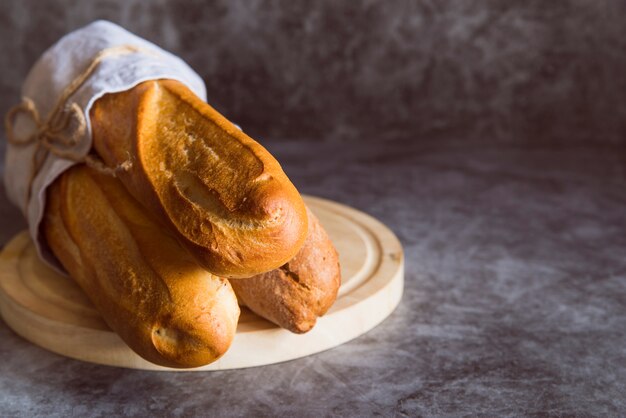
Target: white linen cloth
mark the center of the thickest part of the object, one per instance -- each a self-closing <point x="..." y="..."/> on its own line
<point x="46" y="82"/>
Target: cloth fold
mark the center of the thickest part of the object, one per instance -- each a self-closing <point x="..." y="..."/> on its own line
<point x="48" y="80"/>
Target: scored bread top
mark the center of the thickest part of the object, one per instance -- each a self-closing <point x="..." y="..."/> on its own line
<point x="225" y="197"/>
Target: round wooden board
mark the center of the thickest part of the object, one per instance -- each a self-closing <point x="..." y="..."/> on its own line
<point x="49" y="310"/>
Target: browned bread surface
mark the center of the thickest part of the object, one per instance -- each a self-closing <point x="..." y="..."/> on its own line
<point x="223" y="195"/>
<point x="296" y="294"/>
<point x="146" y="286"/>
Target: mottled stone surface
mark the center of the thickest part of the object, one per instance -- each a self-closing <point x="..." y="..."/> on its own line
<point x="521" y="71"/>
<point x="490" y="136"/>
<point x="515" y="298"/>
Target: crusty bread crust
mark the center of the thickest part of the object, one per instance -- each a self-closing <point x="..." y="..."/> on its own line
<point x="147" y="288"/>
<point x="226" y="199"/>
<point x="296" y="294"/>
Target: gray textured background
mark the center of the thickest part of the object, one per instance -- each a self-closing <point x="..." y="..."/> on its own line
<point x="489" y="135"/>
<point x="521" y="71"/>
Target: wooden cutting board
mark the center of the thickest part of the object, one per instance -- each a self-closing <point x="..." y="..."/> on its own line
<point x="49" y="310"/>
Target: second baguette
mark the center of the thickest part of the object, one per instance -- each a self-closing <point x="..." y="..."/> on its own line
<point x="146" y="287"/>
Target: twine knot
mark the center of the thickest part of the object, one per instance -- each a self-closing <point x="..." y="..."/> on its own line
<point x="50" y="134"/>
<point x="62" y="130"/>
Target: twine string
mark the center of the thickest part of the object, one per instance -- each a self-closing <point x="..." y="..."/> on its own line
<point x="51" y="135"/>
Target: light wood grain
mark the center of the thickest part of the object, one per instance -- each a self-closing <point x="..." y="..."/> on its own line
<point x="49" y="310"/>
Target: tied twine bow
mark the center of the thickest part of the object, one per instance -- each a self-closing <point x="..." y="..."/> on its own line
<point x="51" y="135"/>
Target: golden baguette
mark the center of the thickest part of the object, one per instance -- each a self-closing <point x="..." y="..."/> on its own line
<point x="302" y="290"/>
<point x="224" y="196"/>
<point x="147" y="288"/>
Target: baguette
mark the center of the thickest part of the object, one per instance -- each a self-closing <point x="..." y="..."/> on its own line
<point x="296" y="294"/>
<point x="226" y="199"/>
<point x="147" y="288"/>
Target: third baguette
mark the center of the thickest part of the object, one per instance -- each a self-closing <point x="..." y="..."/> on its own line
<point x="296" y="294"/>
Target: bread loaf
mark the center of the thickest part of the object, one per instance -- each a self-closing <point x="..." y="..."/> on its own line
<point x="146" y="286"/>
<point x="226" y="199"/>
<point x="296" y="294"/>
